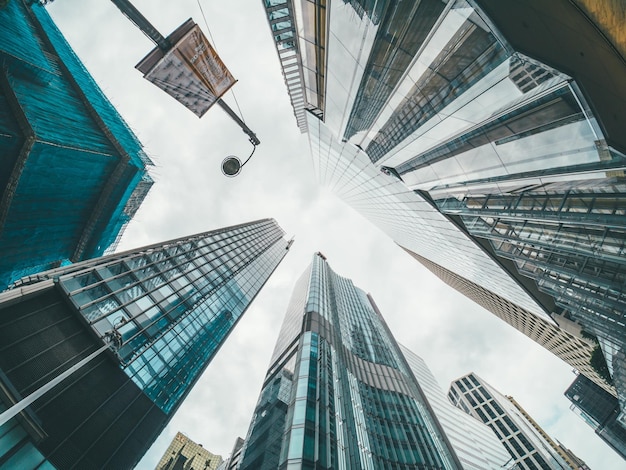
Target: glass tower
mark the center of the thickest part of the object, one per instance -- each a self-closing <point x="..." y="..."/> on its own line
<point x="72" y="173"/>
<point x="164" y="310"/>
<point x="490" y="164"/>
<point x="529" y="446"/>
<point x="338" y="393"/>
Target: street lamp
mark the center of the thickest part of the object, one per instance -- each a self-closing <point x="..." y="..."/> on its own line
<point x="231" y="165"/>
<point x="196" y="64"/>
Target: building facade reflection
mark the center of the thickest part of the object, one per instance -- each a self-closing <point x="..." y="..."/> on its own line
<point x="485" y="162"/>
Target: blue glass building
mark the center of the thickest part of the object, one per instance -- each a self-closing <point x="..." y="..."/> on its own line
<point x="72" y="173"/>
<point x="487" y="139"/>
<point x="338" y="393"/>
<point x="164" y="309"/>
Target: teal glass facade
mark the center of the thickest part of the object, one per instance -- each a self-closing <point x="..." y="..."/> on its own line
<point x="338" y="393"/>
<point x="72" y="173"/>
<point x="487" y="162"/>
<point x="16" y="447"/>
<point x="164" y="309"/>
<point x="174" y="303"/>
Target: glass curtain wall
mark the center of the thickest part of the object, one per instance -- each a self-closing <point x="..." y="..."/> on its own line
<point x="338" y="393"/>
<point x="475" y="156"/>
<point x="173" y="304"/>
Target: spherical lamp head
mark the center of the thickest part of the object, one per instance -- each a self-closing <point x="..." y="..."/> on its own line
<point x="231" y="166"/>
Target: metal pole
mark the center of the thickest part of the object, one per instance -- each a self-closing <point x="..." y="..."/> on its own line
<point x="24" y="402"/>
<point x="142" y="23"/>
<point x="253" y="138"/>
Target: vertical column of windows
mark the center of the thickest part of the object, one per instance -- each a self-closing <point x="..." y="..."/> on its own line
<point x="341" y="455"/>
<point x="360" y="426"/>
<point x="328" y="424"/>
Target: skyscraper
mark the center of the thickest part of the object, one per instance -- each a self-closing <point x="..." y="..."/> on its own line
<point x="488" y="144"/>
<point x="600" y="410"/>
<point x="527" y="443"/>
<point x="163" y="310"/>
<point x="338" y="392"/>
<point x="72" y="173"/>
<point x="476" y="445"/>
<point x="185" y="454"/>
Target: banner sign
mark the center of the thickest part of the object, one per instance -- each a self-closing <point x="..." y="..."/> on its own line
<point x="191" y="71"/>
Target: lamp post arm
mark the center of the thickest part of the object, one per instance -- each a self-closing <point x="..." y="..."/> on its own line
<point x="253" y="138"/>
<point x="142" y="23"/>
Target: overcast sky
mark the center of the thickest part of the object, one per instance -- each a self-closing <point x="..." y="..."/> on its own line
<point x="453" y="335"/>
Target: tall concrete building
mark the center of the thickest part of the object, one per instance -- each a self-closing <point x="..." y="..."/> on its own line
<point x="72" y="173"/>
<point x="134" y="331"/>
<point x="185" y="454"/>
<point x="339" y="393"/>
<point x="487" y="139"/>
<point x="476" y="445"/>
<point x="529" y="446"/>
<point x="600" y="410"/>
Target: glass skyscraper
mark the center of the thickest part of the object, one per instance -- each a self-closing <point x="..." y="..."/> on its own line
<point x="72" y="173"/>
<point x="529" y="446"/>
<point x="490" y="165"/>
<point x="164" y="310"/>
<point x="339" y="393"/>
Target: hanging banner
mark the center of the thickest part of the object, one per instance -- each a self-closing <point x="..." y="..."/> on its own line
<point x="191" y="71"/>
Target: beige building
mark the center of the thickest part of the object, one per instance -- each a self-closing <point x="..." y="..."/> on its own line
<point x="185" y="454"/>
<point x="565" y="341"/>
